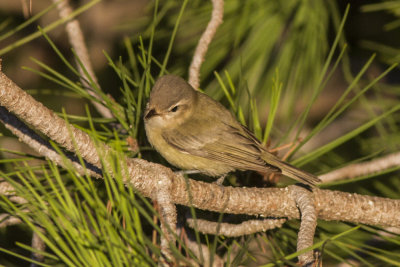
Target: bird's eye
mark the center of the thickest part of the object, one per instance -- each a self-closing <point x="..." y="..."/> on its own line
<point x="175" y="109"/>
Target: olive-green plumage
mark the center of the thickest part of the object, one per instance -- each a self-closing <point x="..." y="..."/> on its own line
<point x="192" y="131"/>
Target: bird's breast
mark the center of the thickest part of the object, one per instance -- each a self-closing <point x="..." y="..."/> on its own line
<point x="184" y="160"/>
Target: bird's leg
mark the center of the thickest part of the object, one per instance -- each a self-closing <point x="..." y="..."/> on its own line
<point x="271" y="178"/>
<point x="292" y="146"/>
<point x="221" y="179"/>
<point x="276" y="149"/>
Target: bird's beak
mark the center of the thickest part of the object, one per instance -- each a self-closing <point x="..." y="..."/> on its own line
<point x="150" y="113"/>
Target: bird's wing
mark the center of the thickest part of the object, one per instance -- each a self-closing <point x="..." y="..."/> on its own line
<point x="234" y="145"/>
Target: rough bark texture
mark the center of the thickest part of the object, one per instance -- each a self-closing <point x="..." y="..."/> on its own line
<point x="305" y="238"/>
<point x="143" y="175"/>
<point x="205" y="40"/>
<point x="234" y="230"/>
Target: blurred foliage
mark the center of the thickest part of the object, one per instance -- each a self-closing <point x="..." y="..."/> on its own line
<point x="320" y="74"/>
<point x="290" y="36"/>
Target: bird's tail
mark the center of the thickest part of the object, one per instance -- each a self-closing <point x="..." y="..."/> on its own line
<point x="291" y="171"/>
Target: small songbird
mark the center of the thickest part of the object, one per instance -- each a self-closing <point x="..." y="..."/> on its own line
<point x="194" y="132"/>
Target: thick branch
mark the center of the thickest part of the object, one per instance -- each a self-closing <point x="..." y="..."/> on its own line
<point x="168" y="215"/>
<point x="143" y="175"/>
<point x="44" y="120"/>
<point x="305" y="201"/>
<point x="43" y="147"/>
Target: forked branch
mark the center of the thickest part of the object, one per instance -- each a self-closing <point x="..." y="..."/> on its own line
<point x="143" y="175"/>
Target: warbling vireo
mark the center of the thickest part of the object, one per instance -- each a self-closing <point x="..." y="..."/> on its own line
<point x="194" y="132"/>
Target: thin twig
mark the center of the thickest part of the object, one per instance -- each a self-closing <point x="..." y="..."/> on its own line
<point x="39" y="245"/>
<point x="7" y="220"/>
<point x="202" y="252"/>
<point x="6" y="189"/>
<point x="234" y="230"/>
<point x="205" y="40"/>
<point x="77" y="42"/>
<point x="364" y="168"/>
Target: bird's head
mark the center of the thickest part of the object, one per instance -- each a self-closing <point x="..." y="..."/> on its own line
<point x="171" y="102"/>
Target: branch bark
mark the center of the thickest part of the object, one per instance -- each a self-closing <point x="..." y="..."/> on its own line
<point x="205" y="40"/>
<point x="143" y="175"/>
<point x="363" y="168"/>
<point x="234" y="230"/>
<point x="305" y="238"/>
<point x="77" y="42"/>
<point x="168" y="216"/>
<point x="43" y="147"/>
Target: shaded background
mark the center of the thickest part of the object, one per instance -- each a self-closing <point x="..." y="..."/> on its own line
<point x="256" y="39"/>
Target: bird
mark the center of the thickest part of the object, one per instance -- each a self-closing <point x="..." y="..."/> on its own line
<point x="192" y="131"/>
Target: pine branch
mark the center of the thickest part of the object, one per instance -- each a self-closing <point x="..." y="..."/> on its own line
<point x="143" y="176"/>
